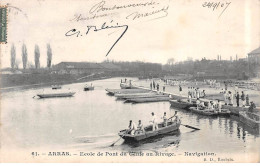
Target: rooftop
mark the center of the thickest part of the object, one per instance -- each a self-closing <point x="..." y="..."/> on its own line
<point x="256" y="51"/>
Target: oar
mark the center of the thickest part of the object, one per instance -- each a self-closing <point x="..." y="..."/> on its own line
<point x="173" y="115"/>
<point x="190" y="127"/>
<point x="119" y="138"/>
<point x="183" y="124"/>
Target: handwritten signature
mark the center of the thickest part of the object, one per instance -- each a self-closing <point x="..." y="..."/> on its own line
<point x="104" y="26"/>
<point x="136" y="15"/>
<point x="101" y="6"/>
<point x="80" y="17"/>
<point x="215" y="5"/>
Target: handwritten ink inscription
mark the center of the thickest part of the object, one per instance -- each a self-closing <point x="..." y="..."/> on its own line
<point x="100" y="7"/>
<point x="150" y="9"/>
<point x="104" y="26"/>
<point x="136" y="15"/>
<point x="216" y="5"/>
<point x="130" y="10"/>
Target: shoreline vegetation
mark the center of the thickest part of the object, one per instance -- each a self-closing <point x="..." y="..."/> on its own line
<point x="73" y="72"/>
<point x="12" y="82"/>
<point x="22" y="81"/>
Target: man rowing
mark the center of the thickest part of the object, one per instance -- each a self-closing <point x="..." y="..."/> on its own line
<point x="140" y="127"/>
<point x="165" y="119"/>
<point x="219" y="106"/>
<point x="154" y="122"/>
<point x="132" y="127"/>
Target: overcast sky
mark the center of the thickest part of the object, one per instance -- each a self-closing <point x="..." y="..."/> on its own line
<point x="188" y="30"/>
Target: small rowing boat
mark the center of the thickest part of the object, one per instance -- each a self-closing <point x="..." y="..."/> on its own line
<point x="235" y="110"/>
<point x="206" y="112"/>
<point x="126" y="86"/>
<point x="50" y="95"/>
<point x="126" y="91"/>
<point x="88" y="88"/>
<point x="55" y="87"/>
<point x="224" y="112"/>
<point x="250" y="119"/>
<point x="151" y="99"/>
<point x="143" y="96"/>
<point x="182" y="104"/>
<point x="119" y="95"/>
<point x="149" y="133"/>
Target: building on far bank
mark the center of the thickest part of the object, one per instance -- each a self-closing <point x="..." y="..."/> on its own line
<point x="110" y="66"/>
<point x="83" y="67"/>
<point x="254" y="56"/>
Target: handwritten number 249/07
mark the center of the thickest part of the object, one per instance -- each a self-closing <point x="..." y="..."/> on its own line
<point x="215" y="5"/>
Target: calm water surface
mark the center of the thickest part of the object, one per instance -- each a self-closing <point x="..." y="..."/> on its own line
<point x="91" y="120"/>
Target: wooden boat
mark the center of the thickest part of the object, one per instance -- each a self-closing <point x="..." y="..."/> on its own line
<point x="144" y="96"/>
<point x="171" y="126"/>
<point x="182" y="104"/>
<point x="126" y="86"/>
<point x="88" y="88"/>
<point x="50" y="95"/>
<point x="234" y="109"/>
<point x="206" y="112"/>
<point x="250" y="119"/>
<point x="151" y="99"/>
<point x="55" y="87"/>
<point x="224" y="112"/>
<point x="126" y="91"/>
<point x="119" y="95"/>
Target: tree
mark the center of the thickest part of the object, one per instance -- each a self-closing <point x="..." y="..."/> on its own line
<point x="24" y="56"/>
<point x="49" y="55"/>
<point x="170" y="61"/>
<point x="13" y="56"/>
<point x="37" y="56"/>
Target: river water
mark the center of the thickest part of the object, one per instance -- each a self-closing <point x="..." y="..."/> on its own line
<point x="91" y="120"/>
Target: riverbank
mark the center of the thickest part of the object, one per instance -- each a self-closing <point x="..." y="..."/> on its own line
<point x="12" y="82"/>
<point x="211" y="93"/>
<point x="27" y="81"/>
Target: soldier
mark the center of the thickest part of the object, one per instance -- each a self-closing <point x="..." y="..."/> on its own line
<point x="237" y="99"/>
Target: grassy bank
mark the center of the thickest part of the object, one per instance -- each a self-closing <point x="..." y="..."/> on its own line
<point x="36" y="79"/>
<point x="11" y="82"/>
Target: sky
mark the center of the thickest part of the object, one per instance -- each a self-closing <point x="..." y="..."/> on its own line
<point x="179" y="29"/>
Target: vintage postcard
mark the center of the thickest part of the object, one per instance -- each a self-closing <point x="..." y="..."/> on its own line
<point x="127" y="81"/>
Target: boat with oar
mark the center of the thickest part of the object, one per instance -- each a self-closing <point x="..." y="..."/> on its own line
<point x="126" y="91"/>
<point x="61" y="94"/>
<point x="172" y="125"/>
<point x="204" y="111"/>
<point x="182" y="104"/>
<point x="139" y="136"/>
<point x="146" y="99"/>
<point x="250" y="119"/>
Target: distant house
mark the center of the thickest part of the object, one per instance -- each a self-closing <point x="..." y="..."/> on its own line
<point x="82" y="67"/>
<point x="254" y="56"/>
<point x="110" y="66"/>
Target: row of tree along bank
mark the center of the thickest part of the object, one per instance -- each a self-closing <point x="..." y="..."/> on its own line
<point x="26" y="64"/>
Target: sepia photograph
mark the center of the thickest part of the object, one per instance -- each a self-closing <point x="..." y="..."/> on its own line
<point x="129" y="81"/>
